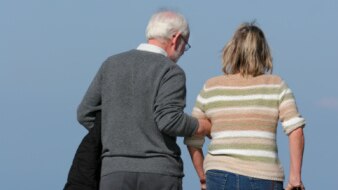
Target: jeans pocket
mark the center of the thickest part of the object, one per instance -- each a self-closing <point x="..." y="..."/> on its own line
<point x="216" y="179"/>
<point x="262" y="184"/>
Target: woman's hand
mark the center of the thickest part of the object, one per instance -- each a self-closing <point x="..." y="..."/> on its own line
<point x="295" y="187"/>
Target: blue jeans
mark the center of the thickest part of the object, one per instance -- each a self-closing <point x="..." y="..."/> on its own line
<point x="222" y="180"/>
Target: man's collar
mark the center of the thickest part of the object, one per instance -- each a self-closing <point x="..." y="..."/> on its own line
<point x="151" y="48"/>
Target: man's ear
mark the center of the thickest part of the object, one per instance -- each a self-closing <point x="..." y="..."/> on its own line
<point x="176" y="40"/>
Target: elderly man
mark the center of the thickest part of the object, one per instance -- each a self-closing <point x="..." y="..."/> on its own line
<point x="141" y="94"/>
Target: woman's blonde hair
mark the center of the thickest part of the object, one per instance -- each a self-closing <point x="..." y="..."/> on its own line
<point x="248" y="52"/>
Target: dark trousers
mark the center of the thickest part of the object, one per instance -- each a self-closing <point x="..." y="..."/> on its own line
<point x="84" y="174"/>
<point x="139" y="181"/>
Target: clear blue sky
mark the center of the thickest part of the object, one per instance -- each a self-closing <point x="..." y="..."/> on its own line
<point x="50" y="51"/>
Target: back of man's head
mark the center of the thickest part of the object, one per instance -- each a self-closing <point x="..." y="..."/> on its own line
<point x="165" y="23"/>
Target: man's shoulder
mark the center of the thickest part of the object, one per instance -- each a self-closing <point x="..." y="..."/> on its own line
<point x="143" y="60"/>
<point x="141" y="56"/>
<point x="121" y="55"/>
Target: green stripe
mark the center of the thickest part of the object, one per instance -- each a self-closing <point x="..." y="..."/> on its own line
<point x="288" y="96"/>
<point x="236" y="92"/>
<point x="272" y="148"/>
<point x="284" y="87"/>
<point x="242" y="103"/>
<point x="199" y="105"/>
<point x="257" y="159"/>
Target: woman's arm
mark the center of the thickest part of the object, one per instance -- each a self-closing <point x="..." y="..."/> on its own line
<point x="296" y="143"/>
<point x="197" y="158"/>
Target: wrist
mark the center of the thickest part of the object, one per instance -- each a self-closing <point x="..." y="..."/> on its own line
<point x="202" y="181"/>
<point x="298" y="186"/>
<point x="295" y="179"/>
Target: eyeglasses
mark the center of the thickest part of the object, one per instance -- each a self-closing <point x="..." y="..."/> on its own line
<point x="187" y="45"/>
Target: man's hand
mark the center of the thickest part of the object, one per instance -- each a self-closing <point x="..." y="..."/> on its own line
<point x="204" y="127"/>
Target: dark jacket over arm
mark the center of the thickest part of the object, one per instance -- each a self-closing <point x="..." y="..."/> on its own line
<point x="84" y="173"/>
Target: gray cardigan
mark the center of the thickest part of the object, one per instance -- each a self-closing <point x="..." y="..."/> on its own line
<point x="142" y="97"/>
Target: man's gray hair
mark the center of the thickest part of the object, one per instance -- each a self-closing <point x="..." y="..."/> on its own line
<point x="164" y="24"/>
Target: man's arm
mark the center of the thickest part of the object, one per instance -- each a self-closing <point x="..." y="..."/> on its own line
<point x="169" y="106"/>
<point x="91" y="102"/>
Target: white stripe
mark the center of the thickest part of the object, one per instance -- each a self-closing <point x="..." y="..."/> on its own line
<point x="261" y="153"/>
<point x="292" y="121"/>
<point x="244" y="110"/>
<point x="196" y="109"/>
<point x="196" y="112"/>
<point x="238" y="98"/>
<point x="231" y="134"/>
<point x="242" y="87"/>
<point x="285" y="92"/>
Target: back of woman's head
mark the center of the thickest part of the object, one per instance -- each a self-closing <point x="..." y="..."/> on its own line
<point x="248" y="52"/>
<point x="165" y="23"/>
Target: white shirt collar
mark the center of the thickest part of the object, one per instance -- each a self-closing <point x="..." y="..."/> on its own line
<point x="151" y="48"/>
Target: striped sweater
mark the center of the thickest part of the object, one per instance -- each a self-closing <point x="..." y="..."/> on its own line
<point x="244" y="113"/>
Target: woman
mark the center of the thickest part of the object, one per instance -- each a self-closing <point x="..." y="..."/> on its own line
<point x="244" y="107"/>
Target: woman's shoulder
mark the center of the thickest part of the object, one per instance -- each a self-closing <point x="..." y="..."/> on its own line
<point x="270" y="79"/>
<point x="238" y="81"/>
<point x="216" y="80"/>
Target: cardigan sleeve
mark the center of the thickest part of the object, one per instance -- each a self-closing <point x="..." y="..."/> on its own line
<point x="170" y="103"/>
<point x="288" y="112"/>
<point x="199" y="113"/>
<point x="91" y="102"/>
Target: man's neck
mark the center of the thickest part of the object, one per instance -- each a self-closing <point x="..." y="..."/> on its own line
<point x="159" y="43"/>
